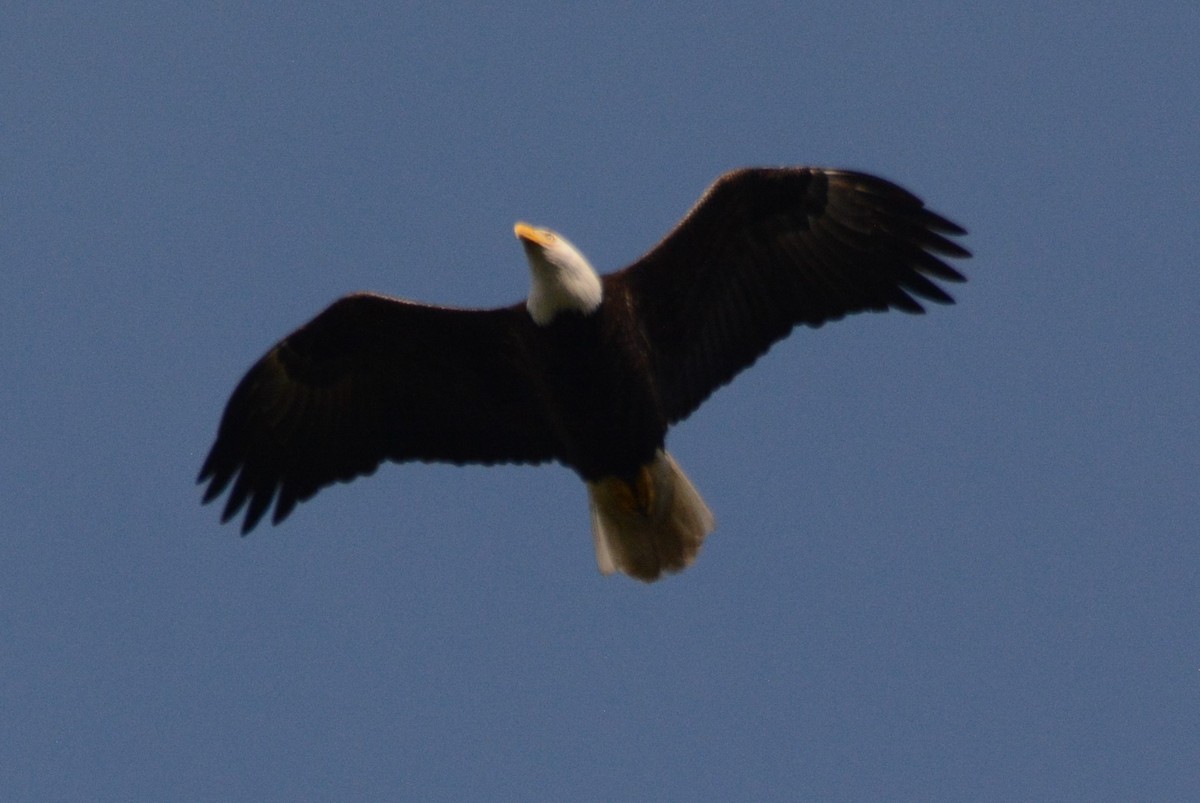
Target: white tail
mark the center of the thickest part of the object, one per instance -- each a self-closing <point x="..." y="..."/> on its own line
<point x="654" y="524"/>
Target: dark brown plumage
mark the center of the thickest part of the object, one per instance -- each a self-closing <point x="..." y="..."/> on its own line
<point x="374" y="378"/>
<point x="765" y="249"/>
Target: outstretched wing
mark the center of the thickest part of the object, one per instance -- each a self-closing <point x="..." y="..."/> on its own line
<point x="767" y="249"/>
<point x="370" y="379"/>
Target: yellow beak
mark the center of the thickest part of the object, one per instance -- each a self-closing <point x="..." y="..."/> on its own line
<point x="533" y="234"/>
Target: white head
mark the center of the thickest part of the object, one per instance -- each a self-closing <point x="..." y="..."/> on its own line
<point x="562" y="278"/>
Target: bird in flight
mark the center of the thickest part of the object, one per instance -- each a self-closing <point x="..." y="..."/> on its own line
<point x="589" y="371"/>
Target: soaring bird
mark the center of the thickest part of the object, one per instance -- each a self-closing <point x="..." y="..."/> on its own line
<point x="588" y="371"/>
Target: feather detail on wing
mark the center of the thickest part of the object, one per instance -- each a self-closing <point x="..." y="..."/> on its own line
<point x="766" y="249"/>
<point x="370" y="379"/>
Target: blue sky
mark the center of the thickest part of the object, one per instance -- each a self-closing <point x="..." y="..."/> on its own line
<point x="956" y="555"/>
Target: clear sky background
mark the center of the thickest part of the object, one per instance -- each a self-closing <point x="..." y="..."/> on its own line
<point x="957" y="556"/>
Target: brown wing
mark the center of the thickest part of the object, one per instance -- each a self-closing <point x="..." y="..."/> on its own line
<point x="766" y="249"/>
<point x="370" y="379"/>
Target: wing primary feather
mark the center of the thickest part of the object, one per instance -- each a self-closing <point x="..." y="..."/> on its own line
<point x="936" y="222"/>
<point x="928" y="263"/>
<point x="916" y="283"/>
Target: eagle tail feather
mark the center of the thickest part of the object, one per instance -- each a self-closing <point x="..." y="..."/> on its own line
<point x="652" y="523"/>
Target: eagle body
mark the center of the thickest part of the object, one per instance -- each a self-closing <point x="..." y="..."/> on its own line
<point x="601" y="405"/>
<point x="599" y="394"/>
<point x="589" y="371"/>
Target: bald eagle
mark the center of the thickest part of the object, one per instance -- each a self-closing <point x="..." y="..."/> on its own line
<point x="589" y="371"/>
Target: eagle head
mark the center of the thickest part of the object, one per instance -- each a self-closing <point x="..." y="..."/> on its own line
<point x="562" y="278"/>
